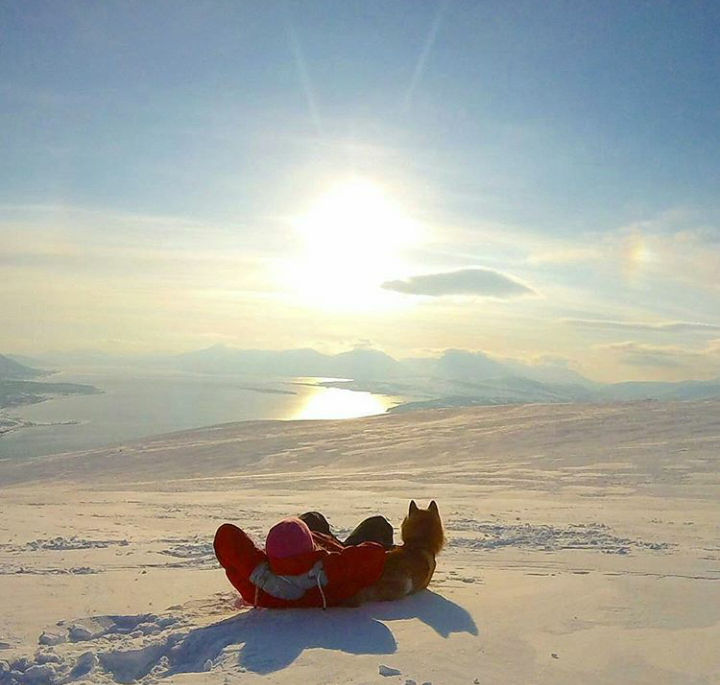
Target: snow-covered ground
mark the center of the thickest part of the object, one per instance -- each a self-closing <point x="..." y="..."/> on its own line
<point x="583" y="547"/>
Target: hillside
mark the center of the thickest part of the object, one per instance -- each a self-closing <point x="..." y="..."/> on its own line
<point x="13" y="369"/>
<point x="582" y="547"/>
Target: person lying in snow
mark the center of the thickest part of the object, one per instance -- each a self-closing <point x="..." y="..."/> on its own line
<point x="303" y="564"/>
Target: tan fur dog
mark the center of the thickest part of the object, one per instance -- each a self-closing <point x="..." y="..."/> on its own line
<point x="410" y="566"/>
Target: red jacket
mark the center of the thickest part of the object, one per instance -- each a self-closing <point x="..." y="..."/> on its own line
<point x="348" y="569"/>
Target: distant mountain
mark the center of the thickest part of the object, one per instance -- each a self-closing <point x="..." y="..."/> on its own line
<point x="98" y="358"/>
<point x="459" y="364"/>
<point x="220" y="359"/>
<point x="517" y="390"/>
<point x="367" y="364"/>
<point x="502" y="390"/>
<point x="79" y="358"/>
<point x="358" y="364"/>
<point x="12" y="369"/>
<point x="648" y="390"/>
<point x="32" y="362"/>
<point x="464" y="365"/>
<point x="453" y="378"/>
<point x="555" y="374"/>
<point x="469" y="365"/>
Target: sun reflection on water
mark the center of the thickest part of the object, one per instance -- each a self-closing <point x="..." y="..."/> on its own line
<point x="336" y="403"/>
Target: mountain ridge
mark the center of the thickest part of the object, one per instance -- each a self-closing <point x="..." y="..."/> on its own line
<point x="453" y="378"/>
<point x="14" y="370"/>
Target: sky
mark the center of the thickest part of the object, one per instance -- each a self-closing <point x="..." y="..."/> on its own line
<point x="534" y="180"/>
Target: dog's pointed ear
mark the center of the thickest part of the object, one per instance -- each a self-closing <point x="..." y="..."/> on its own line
<point x="433" y="507"/>
<point x="413" y="507"/>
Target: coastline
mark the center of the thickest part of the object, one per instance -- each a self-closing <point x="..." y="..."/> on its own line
<point x="139" y="407"/>
<point x="10" y="424"/>
<point x="16" y="393"/>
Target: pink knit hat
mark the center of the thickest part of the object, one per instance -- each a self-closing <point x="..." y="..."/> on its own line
<point x="289" y="541"/>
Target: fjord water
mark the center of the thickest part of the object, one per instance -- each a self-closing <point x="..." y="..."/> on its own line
<point x="140" y="404"/>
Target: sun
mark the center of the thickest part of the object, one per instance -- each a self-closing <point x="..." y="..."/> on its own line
<point x="352" y="239"/>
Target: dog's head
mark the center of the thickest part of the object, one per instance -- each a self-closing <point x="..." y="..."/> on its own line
<point x="423" y="528"/>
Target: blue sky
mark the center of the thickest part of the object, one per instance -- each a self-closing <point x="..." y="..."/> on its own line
<point x="158" y="159"/>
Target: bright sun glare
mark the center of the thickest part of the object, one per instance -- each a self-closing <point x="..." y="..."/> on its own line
<point x="353" y="236"/>
<point x="338" y="403"/>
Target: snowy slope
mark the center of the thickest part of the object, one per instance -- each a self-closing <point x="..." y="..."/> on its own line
<point x="583" y="546"/>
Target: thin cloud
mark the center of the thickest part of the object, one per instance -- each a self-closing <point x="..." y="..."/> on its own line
<point x="478" y="281"/>
<point x="661" y="327"/>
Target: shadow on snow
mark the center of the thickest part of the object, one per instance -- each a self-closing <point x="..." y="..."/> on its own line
<point x="269" y="640"/>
